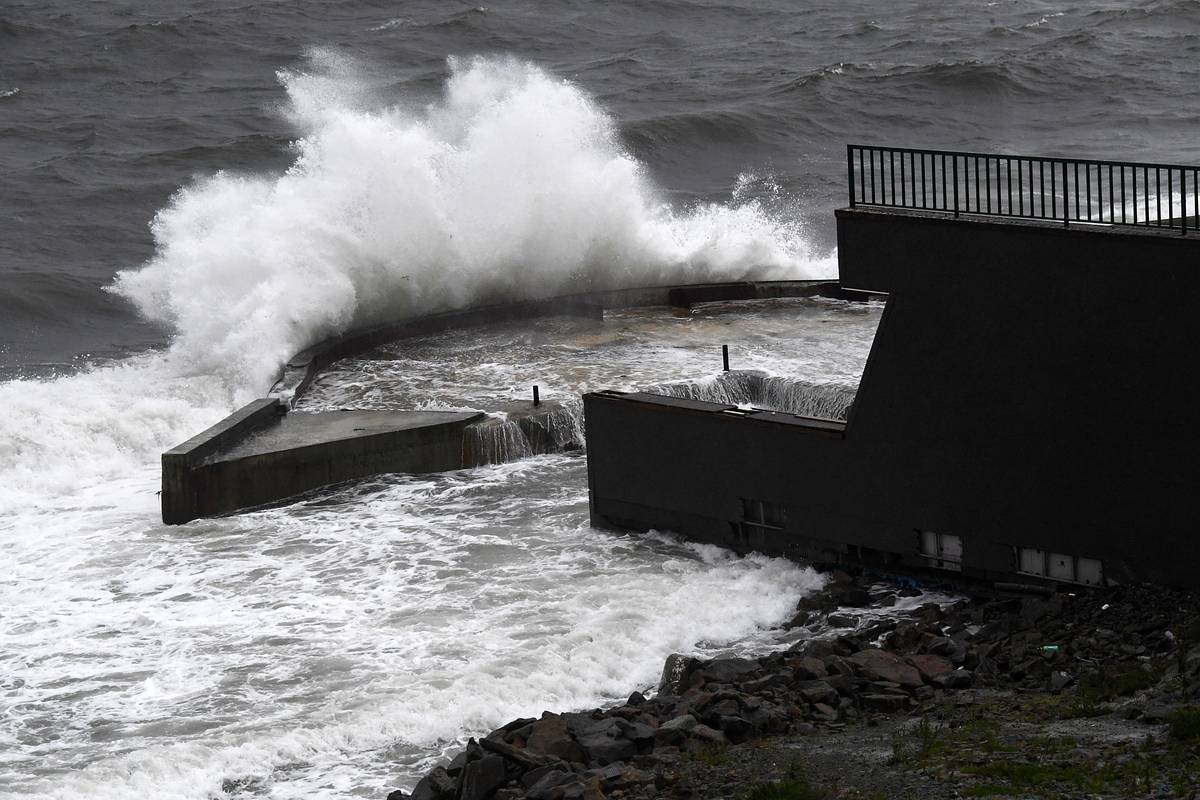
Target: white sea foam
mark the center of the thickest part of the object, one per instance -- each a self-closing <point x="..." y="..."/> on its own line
<point x="514" y="184"/>
<point x="60" y="435"/>
<point x="285" y="649"/>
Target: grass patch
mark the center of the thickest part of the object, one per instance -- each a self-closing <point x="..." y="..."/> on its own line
<point x="1092" y="695"/>
<point x="1184" y="724"/>
<point x="793" y="787"/>
<point x="1034" y="775"/>
<point x="711" y="754"/>
<point x="917" y="744"/>
<point x="987" y="790"/>
<point x="927" y="741"/>
<point x="975" y="744"/>
<point x="1118" y="680"/>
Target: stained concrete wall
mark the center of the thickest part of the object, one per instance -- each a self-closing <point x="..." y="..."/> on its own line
<point x="243" y="475"/>
<point x="182" y="496"/>
<point x="1028" y="386"/>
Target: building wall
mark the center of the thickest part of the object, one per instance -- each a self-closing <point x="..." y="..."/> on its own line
<point x="1028" y="386"/>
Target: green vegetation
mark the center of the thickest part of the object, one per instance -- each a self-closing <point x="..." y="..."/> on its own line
<point x="1036" y="775"/>
<point x="1184" y="724"/>
<point x="711" y="754"/>
<point x="917" y="744"/>
<point x="987" y="790"/>
<point x="1118" y="680"/>
<point x="793" y="787"/>
<point x="981" y="745"/>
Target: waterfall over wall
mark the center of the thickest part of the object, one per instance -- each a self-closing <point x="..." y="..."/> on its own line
<point x="559" y="426"/>
<point x="556" y="429"/>
<point x="771" y="392"/>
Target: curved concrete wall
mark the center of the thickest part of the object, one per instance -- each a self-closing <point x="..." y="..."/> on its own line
<point x="208" y="475"/>
<point x="301" y="368"/>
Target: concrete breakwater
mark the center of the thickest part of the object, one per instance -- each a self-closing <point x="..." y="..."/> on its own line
<point x="270" y="454"/>
<point x="266" y="452"/>
<point x="939" y="677"/>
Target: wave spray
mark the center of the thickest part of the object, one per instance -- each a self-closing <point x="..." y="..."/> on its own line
<point x="512" y="185"/>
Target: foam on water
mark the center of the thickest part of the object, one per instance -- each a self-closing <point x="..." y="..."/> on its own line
<point x="286" y="648"/>
<point x="818" y="340"/>
<point x="513" y="185"/>
<point x="61" y="435"/>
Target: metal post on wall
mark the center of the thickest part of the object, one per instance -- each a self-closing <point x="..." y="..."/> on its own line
<point x="1066" y="202"/>
<point x="537" y="400"/>
<point x="1183" y="202"/>
<point x="725" y="356"/>
<point x="850" y="170"/>
<point x="954" y="163"/>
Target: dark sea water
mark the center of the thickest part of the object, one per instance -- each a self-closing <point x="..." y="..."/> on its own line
<point x="190" y="193"/>
<point x="106" y="109"/>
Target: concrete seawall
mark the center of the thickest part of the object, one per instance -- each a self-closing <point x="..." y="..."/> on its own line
<point x="264" y="453"/>
<point x="184" y="496"/>
<point x="301" y="368"/>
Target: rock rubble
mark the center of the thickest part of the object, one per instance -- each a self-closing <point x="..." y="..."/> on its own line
<point x="884" y="666"/>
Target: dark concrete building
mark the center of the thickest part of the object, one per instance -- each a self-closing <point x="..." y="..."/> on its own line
<point x="1027" y="411"/>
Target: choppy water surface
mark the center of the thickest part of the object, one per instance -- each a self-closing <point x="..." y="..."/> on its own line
<point x="107" y="109"/>
<point x="193" y="192"/>
<point x="327" y="649"/>
<point x="818" y="340"/>
<point x="332" y="647"/>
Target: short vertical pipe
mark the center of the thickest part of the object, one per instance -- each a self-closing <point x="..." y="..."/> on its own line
<point x="537" y="400"/>
<point x="725" y="357"/>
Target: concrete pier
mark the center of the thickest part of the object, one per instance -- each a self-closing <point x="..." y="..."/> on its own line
<point x="285" y="455"/>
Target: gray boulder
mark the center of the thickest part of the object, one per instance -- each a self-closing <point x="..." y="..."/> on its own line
<point x="481" y="778"/>
<point x="676" y="671"/>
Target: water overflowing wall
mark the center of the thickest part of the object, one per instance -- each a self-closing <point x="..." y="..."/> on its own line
<point x="559" y="427"/>
<point x="555" y="428"/>
<point x="771" y="392"/>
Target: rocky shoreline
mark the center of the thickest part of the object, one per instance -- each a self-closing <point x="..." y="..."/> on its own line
<point x="1088" y="693"/>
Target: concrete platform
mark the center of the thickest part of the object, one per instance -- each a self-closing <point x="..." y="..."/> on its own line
<point x="302" y="429"/>
<point x="272" y="457"/>
<point x="262" y="454"/>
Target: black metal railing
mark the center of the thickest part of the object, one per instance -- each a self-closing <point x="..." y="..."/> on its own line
<point x="1058" y="189"/>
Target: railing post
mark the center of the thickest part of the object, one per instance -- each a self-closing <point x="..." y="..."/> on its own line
<point x="954" y="163"/>
<point x="1066" y="200"/>
<point x="850" y="171"/>
<point x="1183" y="202"/>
